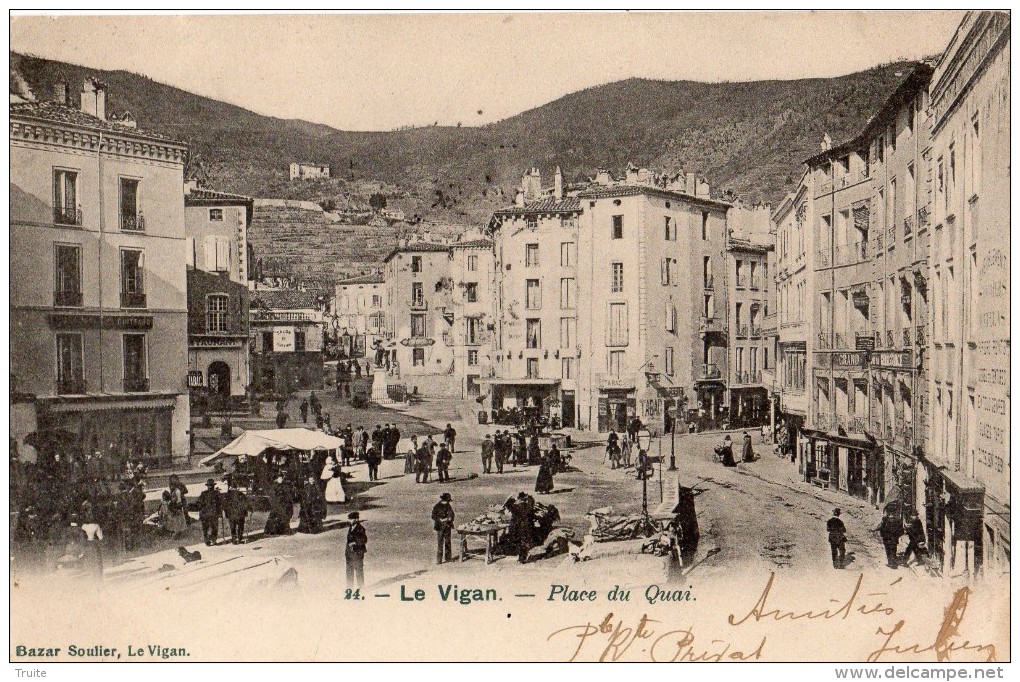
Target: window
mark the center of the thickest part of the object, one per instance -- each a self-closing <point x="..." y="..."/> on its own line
<point x="709" y="309"/>
<point x="416" y="264"/>
<point x="740" y="361"/>
<point x="472" y="358"/>
<point x="300" y="340"/>
<point x="533" y="368"/>
<point x="471" y="329"/>
<point x="67" y="272"/>
<point x="65" y="197"/>
<point x="618" y="330"/>
<point x="216" y="313"/>
<point x="567" y="254"/>
<point x="704" y="225"/>
<point x="533" y="294"/>
<point x="471" y="292"/>
<point x="669" y="361"/>
<point x="567" y="332"/>
<point x="70" y="364"/>
<point x="975" y="154"/>
<point x="567" y="368"/>
<point x="531" y="255"/>
<point x="418" y="357"/>
<point x="616" y="286"/>
<point x="132" y="282"/>
<point x="134" y="363"/>
<point x="472" y="263"/>
<point x="534" y="333"/>
<point x="376" y="301"/>
<point x="217" y="254"/>
<point x="670" y="316"/>
<point x="706" y="269"/>
<point x="418" y="325"/>
<point x="531" y="222"/>
<point x="617" y="227"/>
<point x="417" y="294"/>
<point x="130" y="216"/>
<point x="615" y="363"/>
<point x="567" y="293"/>
<point x="668" y="267"/>
<point x="670" y="232"/>
<point x="568" y="223"/>
<point x="267" y="342"/>
<point x="216" y="215"/>
<point x="740" y="273"/>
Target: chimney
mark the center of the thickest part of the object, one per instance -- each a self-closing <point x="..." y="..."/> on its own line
<point x="60" y="94"/>
<point x="632" y="174"/>
<point x="519" y="198"/>
<point x="190" y="186"/>
<point x="558" y="184"/>
<point x="532" y="184"/>
<point x="602" y="177"/>
<point x="93" y="98"/>
<point x="703" y="190"/>
<point x="692" y="184"/>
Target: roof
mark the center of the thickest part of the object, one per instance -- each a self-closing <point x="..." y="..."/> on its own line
<point x="370" y="278"/>
<point x="916" y="80"/>
<point x="634" y="190"/>
<point x="417" y="247"/>
<point x="473" y="244"/>
<point x="284" y="299"/>
<point x="62" y="114"/>
<point x="568" y="205"/>
<point x="208" y="197"/>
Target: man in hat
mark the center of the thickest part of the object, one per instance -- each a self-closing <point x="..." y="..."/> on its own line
<point x="443" y="459"/>
<point x="450" y="436"/>
<point x="357" y="545"/>
<point x="237" y="506"/>
<point x="837" y="539"/>
<point x="210" y="509"/>
<point x="487" y="451"/>
<point x="442" y="519"/>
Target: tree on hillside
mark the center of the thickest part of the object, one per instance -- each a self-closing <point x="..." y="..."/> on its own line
<point x="377" y="201"/>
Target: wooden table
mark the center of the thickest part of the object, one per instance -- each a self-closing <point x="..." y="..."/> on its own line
<point x="491" y="533"/>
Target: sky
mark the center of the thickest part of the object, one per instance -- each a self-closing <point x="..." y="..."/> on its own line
<point x="382" y="71"/>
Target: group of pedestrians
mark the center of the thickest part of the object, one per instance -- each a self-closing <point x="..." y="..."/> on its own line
<point x="891" y="530"/>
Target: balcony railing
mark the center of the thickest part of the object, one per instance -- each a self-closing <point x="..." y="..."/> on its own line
<point x="825" y="421"/>
<point x="755" y="332"/>
<point x="755" y="284"/>
<point x="68" y="386"/>
<point x="889" y="432"/>
<point x="840" y="341"/>
<point x="889" y="339"/>
<point x="275" y="316"/>
<point x="136" y="385"/>
<point x="709" y="371"/>
<point x="823" y="340"/>
<point x="877" y="242"/>
<point x="741" y="282"/>
<point x="67" y="299"/>
<point x="132" y="222"/>
<point x="712" y="325"/>
<point x="908" y="338"/>
<point x="67" y="215"/>
<point x="132" y="300"/>
<point x="823" y="258"/>
<point x="709" y="282"/>
<point x="878" y="340"/>
<point x="920" y="335"/>
<point x="892" y="234"/>
<point x="419" y="304"/>
<point x="742" y="331"/>
<point x="908" y="226"/>
<point x="848" y="254"/>
<point x="857" y="424"/>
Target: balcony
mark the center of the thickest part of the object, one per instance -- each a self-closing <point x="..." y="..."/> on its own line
<point x="419" y="304"/>
<point x="840" y="341"/>
<point x="920" y="335"/>
<point x="136" y="385"/>
<point x="69" y="386"/>
<point x="823" y="259"/>
<point x="67" y="299"/>
<point x="856" y="424"/>
<point x="709" y="372"/>
<point x="755" y="332"/>
<point x="823" y="340"/>
<point x="908" y="226"/>
<point x="889" y="339"/>
<point x="755" y="284"/>
<point x="825" y="421"/>
<point x="908" y="338"/>
<point x="848" y="254"/>
<point x="878" y="340"/>
<point x="741" y="281"/>
<point x="67" y="215"/>
<point x="131" y="222"/>
<point x="132" y="300"/>
<point x="274" y="316"/>
<point x="712" y="325"/>
<point x="741" y="331"/>
<point x="877" y="242"/>
<point x="709" y="282"/>
<point x="892" y="234"/>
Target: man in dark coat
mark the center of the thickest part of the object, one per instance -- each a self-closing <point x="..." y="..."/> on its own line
<point x="421" y="463"/>
<point x="393" y="441"/>
<point x="916" y="538"/>
<point x="313" y="507"/>
<point x="487" y="451"/>
<point x="443" y="459"/>
<point x="354" y="553"/>
<point x="442" y="520"/>
<point x="373" y="458"/>
<point x="837" y="539"/>
<point x="237" y="506"/>
<point x="891" y="529"/>
<point x="521" y="523"/>
<point x="210" y="510"/>
<point x="303" y="409"/>
<point x="314" y="404"/>
<point x="450" y="435"/>
<point x="281" y="419"/>
<point x="747" y="452"/>
<point x="377" y="439"/>
<point x="384" y="441"/>
<point x="281" y="507"/>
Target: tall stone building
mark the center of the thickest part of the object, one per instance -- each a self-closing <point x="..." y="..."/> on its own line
<point x="98" y="293"/>
<point x="963" y="491"/>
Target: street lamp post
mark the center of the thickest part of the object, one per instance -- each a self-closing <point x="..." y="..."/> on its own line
<point x="645" y="470"/>
<point x="672" y="435"/>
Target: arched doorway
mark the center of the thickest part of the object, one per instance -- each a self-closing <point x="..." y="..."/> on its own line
<point x="219" y="383"/>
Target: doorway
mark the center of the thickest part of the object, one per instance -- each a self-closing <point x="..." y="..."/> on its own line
<point x="219" y="383"/>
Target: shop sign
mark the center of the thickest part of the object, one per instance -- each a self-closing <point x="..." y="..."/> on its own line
<point x="283" y="339"/>
<point x="196" y="379"/>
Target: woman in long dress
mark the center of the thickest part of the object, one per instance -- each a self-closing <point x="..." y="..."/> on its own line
<point x="331" y="473"/>
<point x="93" y="557"/>
<point x="171" y="515"/>
<point x="544" y="482"/>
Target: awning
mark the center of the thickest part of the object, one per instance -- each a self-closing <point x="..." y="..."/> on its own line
<point x="962" y="483"/>
<point x="253" y="443"/>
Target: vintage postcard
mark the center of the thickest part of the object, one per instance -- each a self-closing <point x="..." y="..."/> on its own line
<point x="511" y="337"/>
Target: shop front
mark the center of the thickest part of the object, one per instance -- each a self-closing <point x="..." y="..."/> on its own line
<point x="616" y="408"/>
<point x="515" y="401"/>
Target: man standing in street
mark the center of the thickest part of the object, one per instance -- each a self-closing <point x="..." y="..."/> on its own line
<point x="442" y="518"/>
<point x="373" y="458"/>
<point x="236" y="507"/>
<point x="450" y="435"/>
<point x="303" y="409"/>
<point x="210" y="509"/>
<point x="357" y="546"/>
<point x="891" y="529"/>
<point x="837" y="539"/>
<point x="443" y="459"/>
<point x="487" y="452"/>
<point x="916" y="544"/>
<point x="393" y="441"/>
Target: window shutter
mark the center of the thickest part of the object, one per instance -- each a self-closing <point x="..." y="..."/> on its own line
<point x="209" y="263"/>
<point x="664" y="267"/>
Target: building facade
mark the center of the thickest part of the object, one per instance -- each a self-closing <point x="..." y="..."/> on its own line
<point x="286" y="339"/>
<point x="308" y="171"/>
<point x="472" y="269"/>
<point x="218" y="261"/>
<point x="963" y="487"/>
<point x="98" y="288"/>
<point x="359" y="314"/>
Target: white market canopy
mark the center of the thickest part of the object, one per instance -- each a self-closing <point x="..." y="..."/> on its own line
<point x="253" y="443"/>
